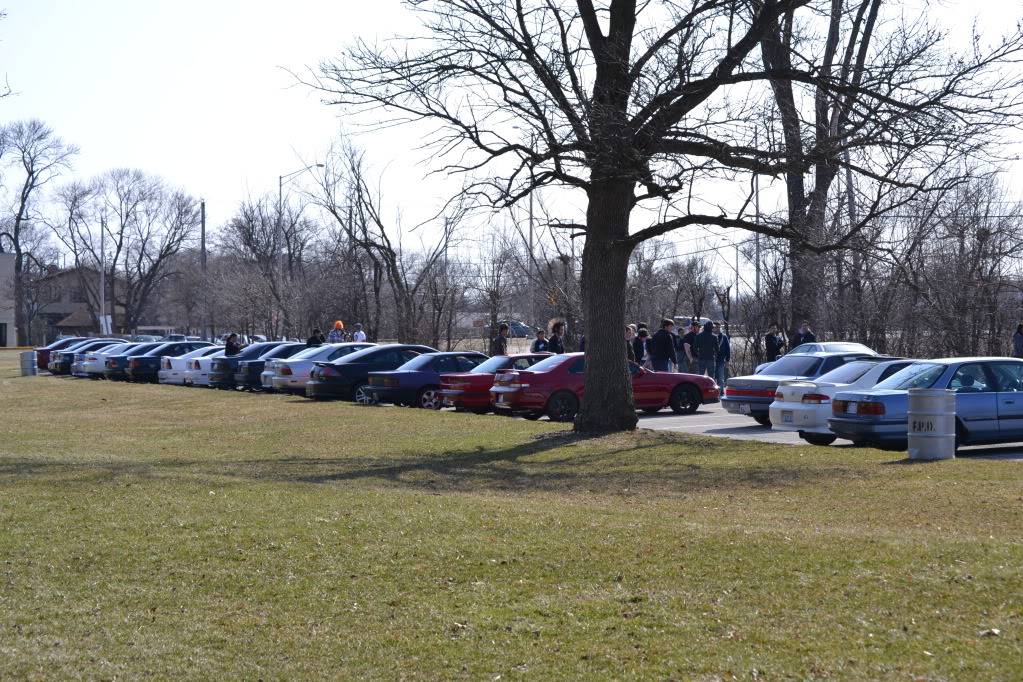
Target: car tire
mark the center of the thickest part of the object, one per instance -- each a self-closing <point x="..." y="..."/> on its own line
<point x="822" y="439"/>
<point x="685" y="399"/>
<point x="362" y="396"/>
<point x="429" y="398"/>
<point x="562" y="406"/>
<point x="762" y="419"/>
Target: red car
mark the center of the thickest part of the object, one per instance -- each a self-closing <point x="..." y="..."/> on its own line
<point x="471" y="390"/>
<point x="555" y="387"/>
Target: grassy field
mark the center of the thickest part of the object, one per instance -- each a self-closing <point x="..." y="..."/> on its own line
<point x="173" y="532"/>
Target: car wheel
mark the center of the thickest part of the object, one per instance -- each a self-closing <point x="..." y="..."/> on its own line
<point x="763" y="420"/>
<point x="429" y="398"/>
<point x="685" y="399"/>
<point x="362" y="395"/>
<point x="562" y="406"/>
<point x="818" y="438"/>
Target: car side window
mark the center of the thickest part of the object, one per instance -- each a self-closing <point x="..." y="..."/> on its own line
<point x="407" y="355"/>
<point x="578" y="367"/>
<point x="522" y="363"/>
<point x="446" y="364"/>
<point x="1008" y="375"/>
<point x="970" y="379"/>
<point x="890" y="370"/>
<point x="466" y="362"/>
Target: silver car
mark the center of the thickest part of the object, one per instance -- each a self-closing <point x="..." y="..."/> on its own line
<point x="291" y="375"/>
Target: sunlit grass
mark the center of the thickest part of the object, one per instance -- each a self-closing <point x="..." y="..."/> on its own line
<point x="172" y="532"/>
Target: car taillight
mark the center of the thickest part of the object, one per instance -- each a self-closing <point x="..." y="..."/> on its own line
<point x="165" y="363"/>
<point x="779" y="396"/>
<point x="134" y="363"/>
<point x="839" y="407"/>
<point x="285" y="371"/>
<point x="112" y="364"/>
<point x="815" y="398"/>
<point x="869" y="407"/>
<point x="328" y="372"/>
<point x="89" y="358"/>
<point x="458" y="385"/>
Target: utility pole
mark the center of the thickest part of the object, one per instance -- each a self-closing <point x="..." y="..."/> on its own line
<point x="531" y="288"/>
<point x="756" y="207"/>
<point x="202" y="266"/>
<point x="103" y="276"/>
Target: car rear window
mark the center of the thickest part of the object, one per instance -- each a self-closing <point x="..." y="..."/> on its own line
<point x="919" y="375"/>
<point x="848" y="373"/>
<point x="492" y="365"/>
<point x="847" y="348"/>
<point x="794" y="365"/>
<point x="548" y="363"/>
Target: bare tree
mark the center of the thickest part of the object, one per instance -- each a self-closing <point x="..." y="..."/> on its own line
<point x="39" y="156"/>
<point x="633" y="104"/>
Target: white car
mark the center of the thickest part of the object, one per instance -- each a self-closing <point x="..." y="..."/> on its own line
<point x="197" y="370"/>
<point x="90" y="365"/>
<point x="805" y="406"/>
<point x="172" y="370"/>
<point x="291" y="375"/>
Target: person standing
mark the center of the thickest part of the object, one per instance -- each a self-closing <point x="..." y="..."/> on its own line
<point x="805" y="335"/>
<point x="556" y="344"/>
<point x="662" y="347"/>
<point x="773" y="343"/>
<point x="359" y="336"/>
<point x="540" y="343"/>
<point x="232" y="346"/>
<point x="337" y="334"/>
<point x="316" y="339"/>
<point x="688" y="355"/>
<point x="640" y="347"/>
<point x="705" y="348"/>
<point x="499" y="344"/>
<point x="724" y="355"/>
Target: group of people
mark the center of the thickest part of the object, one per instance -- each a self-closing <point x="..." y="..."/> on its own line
<point x="704" y="350"/>
<point x="337" y="335"/>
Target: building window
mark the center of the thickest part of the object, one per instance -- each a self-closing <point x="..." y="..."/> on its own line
<point x="78" y="296"/>
<point x="3" y="334"/>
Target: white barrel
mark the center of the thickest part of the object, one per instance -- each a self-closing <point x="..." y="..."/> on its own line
<point x="28" y="363"/>
<point x="932" y="423"/>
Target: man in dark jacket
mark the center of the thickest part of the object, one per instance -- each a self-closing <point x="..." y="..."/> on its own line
<point x="640" y="346"/>
<point x="499" y="344"/>
<point x="317" y="339"/>
<point x="555" y="344"/>
<point x="705" y="348"/>
<point x="687" y="356"/>
<point x="774" y="343"/>
<point x="662" y="347"/>
<point x="540" y="345"/>
<point x="805" y="335"/>
<point x="724" y="355"/>
<point x="232" y="346"/>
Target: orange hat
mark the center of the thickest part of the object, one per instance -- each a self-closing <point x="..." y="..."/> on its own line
<point x="339" y="325"/>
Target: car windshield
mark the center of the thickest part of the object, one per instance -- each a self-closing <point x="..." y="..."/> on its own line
<point x="920" y="375"/>
<point x="281" y="351"/>
<point x="312" y="352"/>
<point x="548" y="363"/>
<point x="253" y="351"/>
<point x="492" y="365"/>
<point x="116" y="348"/>
<point x="793" y="365"/>
<point x="847" y="348"/>
<point x="419" y="362"/>
<point x="848" y="373"/>
<point x="161" y="349"/>
<point x="143" y="348"/>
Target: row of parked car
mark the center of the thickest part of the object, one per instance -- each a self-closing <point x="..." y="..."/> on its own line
<point x="832" y="391"/>
<point x="531" y="385"/>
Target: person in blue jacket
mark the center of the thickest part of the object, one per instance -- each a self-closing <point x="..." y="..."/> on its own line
<point x="724" y="355"/>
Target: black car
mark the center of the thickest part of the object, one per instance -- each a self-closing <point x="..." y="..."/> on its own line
<point x="222" y="369"/>
<point x="60" y="361"/>
<point x="117" y="365"/>
<point x="247" y="373"/>
<point x="146" y="366"/>
<point x="348" y="377"/>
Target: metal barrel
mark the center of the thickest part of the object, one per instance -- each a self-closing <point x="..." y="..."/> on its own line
<point x="28" y="363"/>
<point x="932" y="424"/>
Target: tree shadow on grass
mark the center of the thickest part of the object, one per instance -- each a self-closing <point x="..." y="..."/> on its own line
<point x="648" y="464"/>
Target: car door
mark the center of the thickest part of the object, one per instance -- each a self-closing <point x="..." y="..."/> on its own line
<point x="1009" y="377"/>
<point x="976" y="400"/>
<point x="646" y="390"/>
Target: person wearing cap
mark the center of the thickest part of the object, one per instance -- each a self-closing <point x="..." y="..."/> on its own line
<point x="359" y="336"/>
<point x="337" y="334"/>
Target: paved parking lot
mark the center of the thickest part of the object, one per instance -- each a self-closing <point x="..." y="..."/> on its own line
<point x="712" y="420"/>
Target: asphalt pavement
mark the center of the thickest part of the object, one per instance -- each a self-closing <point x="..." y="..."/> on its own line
<point x="712" y="420"/>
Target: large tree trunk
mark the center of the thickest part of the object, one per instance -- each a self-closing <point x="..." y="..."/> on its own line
<point x="607" y="402"/>
<point x="22" y="335"/>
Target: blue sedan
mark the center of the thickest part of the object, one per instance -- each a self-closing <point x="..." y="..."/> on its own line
<point x="989" y="402"/>
<point x="417" y="382"/>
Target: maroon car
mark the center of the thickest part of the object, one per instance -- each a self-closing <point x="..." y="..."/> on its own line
<point x="43" y="354"/>
<point x="471" y="390"/>
<point x="555" y="387"/>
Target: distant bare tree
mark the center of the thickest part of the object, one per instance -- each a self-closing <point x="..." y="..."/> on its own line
<point x="39" y="156"/>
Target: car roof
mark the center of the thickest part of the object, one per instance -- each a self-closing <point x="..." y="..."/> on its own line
<point x="830" y="354"/>
<point x="955" y="361"/>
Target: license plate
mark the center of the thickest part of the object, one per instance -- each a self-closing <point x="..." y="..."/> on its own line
<point x="850" y="408"/>
<point x="786" y="417"/>
<point x="744" y="408"/>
